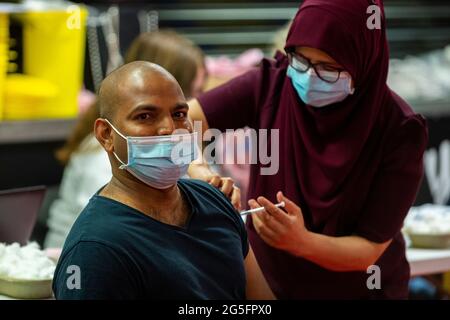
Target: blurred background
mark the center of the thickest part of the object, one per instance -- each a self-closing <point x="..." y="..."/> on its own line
<point x="54" y="54"/>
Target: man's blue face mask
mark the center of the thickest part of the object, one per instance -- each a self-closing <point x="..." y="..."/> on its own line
<point x="159" y="161"/>
<point x="317" y="92"/>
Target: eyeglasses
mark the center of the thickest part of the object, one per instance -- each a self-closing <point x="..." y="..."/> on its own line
<point x="324" y="71"/>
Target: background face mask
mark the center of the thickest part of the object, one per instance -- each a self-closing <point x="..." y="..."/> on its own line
<point x="316" y="92"/>
<point x="159" y="161"/>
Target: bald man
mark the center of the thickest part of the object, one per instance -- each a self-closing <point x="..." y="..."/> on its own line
<point x="148" y="234"/>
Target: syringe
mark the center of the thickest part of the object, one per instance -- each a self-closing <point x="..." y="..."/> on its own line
<point x="247" y="212"/>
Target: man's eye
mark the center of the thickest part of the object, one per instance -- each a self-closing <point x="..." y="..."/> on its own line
<point x="143" y="116"/>
<point x="180" y="114"/>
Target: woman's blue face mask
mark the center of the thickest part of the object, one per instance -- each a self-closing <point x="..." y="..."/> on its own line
<point x="316" y="92"/>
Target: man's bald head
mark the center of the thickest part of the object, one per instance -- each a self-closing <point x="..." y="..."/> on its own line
<point x="128" y="80"/>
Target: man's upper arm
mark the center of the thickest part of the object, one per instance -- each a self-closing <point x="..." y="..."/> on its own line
<point x="256" y="286"/>
<point x="91" y="270"/>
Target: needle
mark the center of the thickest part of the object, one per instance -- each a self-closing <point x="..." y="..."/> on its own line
<point x="246" y="212"/>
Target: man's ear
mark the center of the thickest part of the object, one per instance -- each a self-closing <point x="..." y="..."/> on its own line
<point x="103" y="134"/>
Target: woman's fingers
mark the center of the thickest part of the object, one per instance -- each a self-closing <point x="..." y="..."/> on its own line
<point x="253" y="204"/>
<point x="215" y="181"/>
<point x="270" y="241"/>
<point x="277" y="213"/>
<point x="272" y="227"/>
<point x="257" y="223"/>
<point x="256" y="217"/>
<point x="267" y="232"/>
<point x="236" y="198"/>
<point x="289" y="206"/>
<point x="273" y="224"/>
<point x="226" y="186"/>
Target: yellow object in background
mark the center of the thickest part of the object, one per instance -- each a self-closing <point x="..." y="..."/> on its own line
<point x="4" y="40"/>
<point x="446" y="282"/>
<point x="28" y="97"/>
<point x="53" y="44"/>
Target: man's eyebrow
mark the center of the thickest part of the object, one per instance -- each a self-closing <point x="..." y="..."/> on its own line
<point x="181" y="105"/>
<point x="153" y="108"/>
<point x="144" y="107"/>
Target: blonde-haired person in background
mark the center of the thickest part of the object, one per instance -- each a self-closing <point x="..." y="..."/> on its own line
<point x="87" y="165"/>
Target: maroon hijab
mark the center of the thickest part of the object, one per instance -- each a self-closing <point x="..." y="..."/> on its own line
<point x="333" y="137"/>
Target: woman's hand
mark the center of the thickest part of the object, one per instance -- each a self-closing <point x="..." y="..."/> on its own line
<point x="279" y="229"/>
<point x="224" y="184"/>
<point x="287" y="231"/>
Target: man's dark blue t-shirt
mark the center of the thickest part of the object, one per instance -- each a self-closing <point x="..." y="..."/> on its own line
<point x="122" y="253"/>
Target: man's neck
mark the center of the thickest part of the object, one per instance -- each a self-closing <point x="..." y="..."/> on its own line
<point x="164" y="205"/>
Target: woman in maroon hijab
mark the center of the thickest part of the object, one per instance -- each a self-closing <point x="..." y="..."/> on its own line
<point x="350" y="157"/>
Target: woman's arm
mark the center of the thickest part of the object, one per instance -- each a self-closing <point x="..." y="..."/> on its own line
<point x="286" y="231"/>
<point x="196" y="170"/>
<point x="352" y="253"/>
<point x="202" y="171"/>
<point x="196" y="113"/>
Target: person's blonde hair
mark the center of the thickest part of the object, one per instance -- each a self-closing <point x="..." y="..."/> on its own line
<point x="175" y="53"/>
